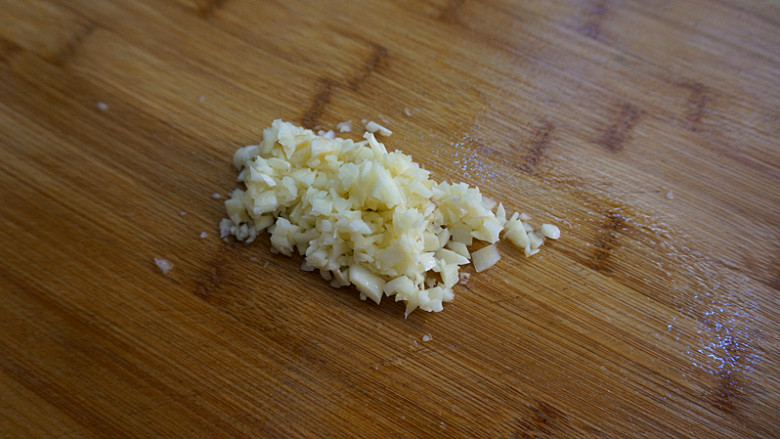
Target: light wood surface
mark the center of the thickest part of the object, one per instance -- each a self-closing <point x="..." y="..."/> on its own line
<point x="648" y="131"/>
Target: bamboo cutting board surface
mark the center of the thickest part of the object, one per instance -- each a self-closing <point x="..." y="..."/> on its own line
<point x="648" y="131"/>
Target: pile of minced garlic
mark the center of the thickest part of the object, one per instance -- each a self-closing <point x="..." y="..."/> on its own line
<point x="367" y="217"/>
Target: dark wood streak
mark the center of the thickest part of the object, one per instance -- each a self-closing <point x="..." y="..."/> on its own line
<point x="616" y="134"/>
<point x="774" y="279"/>
<point x="326" y="86"/>
<point x="218" y="284"/>
<point x="540" y="140"/>
<point x="696" y="103"/>
<point x="592" y="19"/>
<point x="607" y="240"/>
<point x="63" y="56"/>
<point x="378" y="53"/>
<point x="210" y="7"/>
<point x="218" y="277"/>
<point x="210" y="284"/>
<point x="7" y="49"/>
<point x="449" y="13"/>
<point x="544" y="421"/>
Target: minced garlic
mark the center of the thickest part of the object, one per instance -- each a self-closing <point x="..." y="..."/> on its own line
<point x="367" y="217"/>
<point x="373" y="127"/>
<point x="163" y="265"/>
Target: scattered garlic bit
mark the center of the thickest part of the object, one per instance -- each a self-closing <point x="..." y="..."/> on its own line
<point x="204" y="235"/>
<point x="551" y="231"/>
<point x="363" y="216"/>
<point x="485" y="257"/>
<point x="102" y="106"/>
<point x="344" y="127"/>
<point x="216" y="196"/>
<point x="374" y="127"/>
<point x="163" y="265"/>
<point x="427" y="338"/>
<point x="327" y="134"/>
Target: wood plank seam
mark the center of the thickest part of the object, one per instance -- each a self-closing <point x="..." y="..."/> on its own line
<point x="615" y="136"/>
<point x="325" y="87"/>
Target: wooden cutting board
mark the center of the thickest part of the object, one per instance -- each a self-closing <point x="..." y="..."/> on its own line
<point x="648" y="131"/>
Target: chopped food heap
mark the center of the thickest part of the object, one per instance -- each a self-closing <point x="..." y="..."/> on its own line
<point x="367" y="217"/>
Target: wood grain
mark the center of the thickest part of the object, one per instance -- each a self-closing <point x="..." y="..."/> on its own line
<point x="647" y="130"/>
